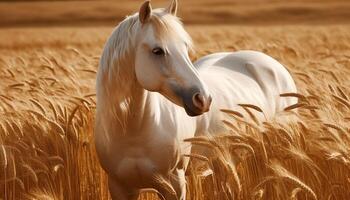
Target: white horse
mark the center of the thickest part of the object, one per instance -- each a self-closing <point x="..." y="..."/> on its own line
<point x="145" y="82"/>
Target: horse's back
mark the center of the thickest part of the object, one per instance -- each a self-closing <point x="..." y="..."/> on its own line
<point x="270" y="78"/>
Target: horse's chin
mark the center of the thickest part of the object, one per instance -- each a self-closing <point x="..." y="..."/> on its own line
<point x="191" y="112"/>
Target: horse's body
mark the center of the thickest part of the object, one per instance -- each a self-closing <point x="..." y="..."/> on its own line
<point x="140" y="133"/>
<point x="246" y="77"/>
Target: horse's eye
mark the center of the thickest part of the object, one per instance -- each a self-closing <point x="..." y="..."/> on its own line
<point x="158" y="51"/>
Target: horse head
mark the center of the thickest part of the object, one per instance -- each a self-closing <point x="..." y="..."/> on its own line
<point x="162" y="62"/>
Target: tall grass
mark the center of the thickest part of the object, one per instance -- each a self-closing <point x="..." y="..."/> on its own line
<point x="47" y="108"/>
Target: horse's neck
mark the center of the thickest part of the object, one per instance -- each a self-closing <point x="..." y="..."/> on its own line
<point x="119" y="101"/>
<point x="131" y="110"/>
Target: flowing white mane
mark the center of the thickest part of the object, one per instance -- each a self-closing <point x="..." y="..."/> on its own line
<point x="113" y="71"/>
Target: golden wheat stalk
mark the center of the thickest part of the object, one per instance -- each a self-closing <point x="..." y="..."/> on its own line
<point x="38" y="105"/>
<point x="31" y="172"/>
<point x="342" y="101"/>
<point x="242" y="146"/>
<point x="230" y="125"/>
<point x="89" y="70"/>
<point x="232" y="112"/>
<point x="197" y="156"/>
<point x="291" y="94"/>
<point x="251" y="115"/>
<point x="4" y="153"/>
<point x="53" y="108"/>
<point x="342" y="93"/>
<point x="257" y="108"/>
<point x="17" y="85"/>
<point x="285" y="174"/>
<point x="165" y="184"/>
<point x="338" y="128"/>
<point x="11" y="73"/>
<point x="295" y="106"/>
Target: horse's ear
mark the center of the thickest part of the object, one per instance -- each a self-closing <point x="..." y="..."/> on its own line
<point x="172" y="9"/>
<point x="145" y="12"/>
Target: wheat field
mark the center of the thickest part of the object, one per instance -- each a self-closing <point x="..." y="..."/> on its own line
<point x="47" y="104"/>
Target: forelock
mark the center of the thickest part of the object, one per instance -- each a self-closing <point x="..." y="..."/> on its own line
<point x="166" y="25"/>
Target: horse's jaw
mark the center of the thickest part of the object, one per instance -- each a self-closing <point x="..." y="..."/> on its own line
<point x="192" y="113"/>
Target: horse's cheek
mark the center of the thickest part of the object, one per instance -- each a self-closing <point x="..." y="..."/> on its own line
<point x="148" y="78"/>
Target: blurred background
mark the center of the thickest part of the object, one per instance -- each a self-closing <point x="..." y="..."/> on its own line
<point x="241" y="12"/>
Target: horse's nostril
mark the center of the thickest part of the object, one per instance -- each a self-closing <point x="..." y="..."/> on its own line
<point x="198" y="101"/>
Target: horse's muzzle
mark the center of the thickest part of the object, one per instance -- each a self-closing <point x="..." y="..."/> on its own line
<point x="196" y="104"/>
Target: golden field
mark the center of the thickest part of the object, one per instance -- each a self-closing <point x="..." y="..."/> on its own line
<point x="47" y="105"/>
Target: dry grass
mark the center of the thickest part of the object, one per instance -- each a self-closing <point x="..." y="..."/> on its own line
<point x="47" y="114"/>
